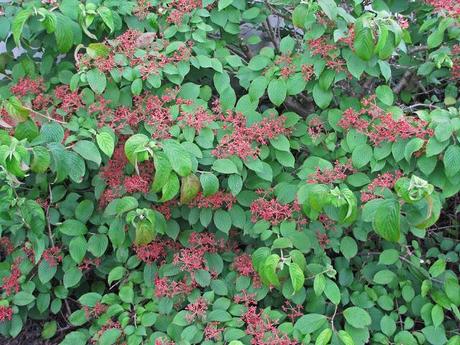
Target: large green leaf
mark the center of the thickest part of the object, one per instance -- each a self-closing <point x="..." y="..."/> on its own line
<point x="179" y="158"/>
<point x="297" y="276"/>
<point x="96" y="80"/>
<point x="63" y="33"/>
<point x="277" y="91"/>
<point x="322" y="97"/>
<point x="452" y="160"/>
<point x="209" y="183"/>
<point x="18" y="24"/>
<point x="364" y="43"/>
<point x="88" y="150"/>
<point x="386" y="220"/>
<point x="310" y="323"/>
<point x="162" y="171"/>
<point x="357" y="317"/>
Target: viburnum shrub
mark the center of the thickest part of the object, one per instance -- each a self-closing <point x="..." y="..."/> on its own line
<point x="230" y="171"/>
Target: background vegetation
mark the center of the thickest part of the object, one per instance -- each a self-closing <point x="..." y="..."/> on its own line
<point x="231" y="171"/>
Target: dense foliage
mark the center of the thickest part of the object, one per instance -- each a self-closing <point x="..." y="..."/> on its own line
<point x="230" y="171"/>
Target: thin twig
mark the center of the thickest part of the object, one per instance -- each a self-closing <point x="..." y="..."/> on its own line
<point x="50" y="233"/>
<point x="43" y="115"/>
<point x="418" y="105"/>
<point x="332" y="318"/>
<point x="271" y="33"/>
<point x="417" y="49"/>
<point x="403" y="82"/>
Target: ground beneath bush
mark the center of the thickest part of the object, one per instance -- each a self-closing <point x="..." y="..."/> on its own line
<point x="30" y="335"/>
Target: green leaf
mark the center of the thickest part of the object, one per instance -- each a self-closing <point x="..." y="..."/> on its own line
<point x="437" y="36"/>
<point x="203" y="278"/>
<point x="63" y="33"/>
<point x="162" y="171"/>
<point x="72" y="227"/>
<point x="357" y="317"/>
<point x="437" y="315"/>
<point x="26" y="130"/>
<point x="23" y="298"/>
<point x="84" y="210"/>
<point x="106" y="143"/>
<point x="364" y="43"/>
<point x="135" y="149"/>
<point x="15" y="109"/>
<point x="389" y="257"/>
<point x="387" y="325"/>
<point x="190" y="187"/>
<point x="268" y="270"/>
<point x="180" y="319"/>
<point x="321" y="97"/>
<point x="41" y="160"/>
<point x="136" y="87"/>
<point x="96" y="80"/>
<point x="412" y="146"/>
<point x="348" y="247"/>
<point x="90" y="299"/>
<point x="332" y="291"/>
<point x="171" y="188"/>
<point x="74" y="338"/>
<point x="299" y="15"/>
<point x="209" y="183"/>
<point x="49" y="330"/>
<point x="18" y="24"/>
<point x="219" y="315"/>
<point x="5" y="27"/>
<point x="223" y="221"/>
<point x="222" y="4"/>
<point x="225" y="166"/>
<point x="107" y="17"/>
<point x="178" y="157"/>
<point x="385" y="94"/>
<point x="76" y="166"/>
<point x="88" y="150"/>
<point x="287" y="44"/>
<point x="116" y="274"/>
<point x="386" y="220"/>
<point x="297" y="276"/>
<point x="384" y="277"/>
<point x="257" y="88"/>
<point x="385" y="44"/>
<point x="110" y="336"/>
<point x="319" y="284"/>
<point x="451" y="160"/>
<point x="72" y="277"/>
<point x="437" y="268"/>
<point x="145" y="232"/>
<point x="259" y="256"/>
<point x="119" y="206"/>
<point x="126" y="294"/>
<point x="329" y="7"/>
<point x="97" y="244"/>
<point x="77" y="249"/>
<point x="277" y="91"/>
<point x="95" y="50"/>
<point x="361" y="155"/>
<point x="434" y="335"/>
<point x="346" y="338"/>
<point x="46" y="272"/>
<point x="258" y="62"/>
<point x="310" y="323"/>
<point x="326" y="79"/>
<point x="452" y="289"/>
<point x="281" y="143"/>
<point x="324" y="337"/>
